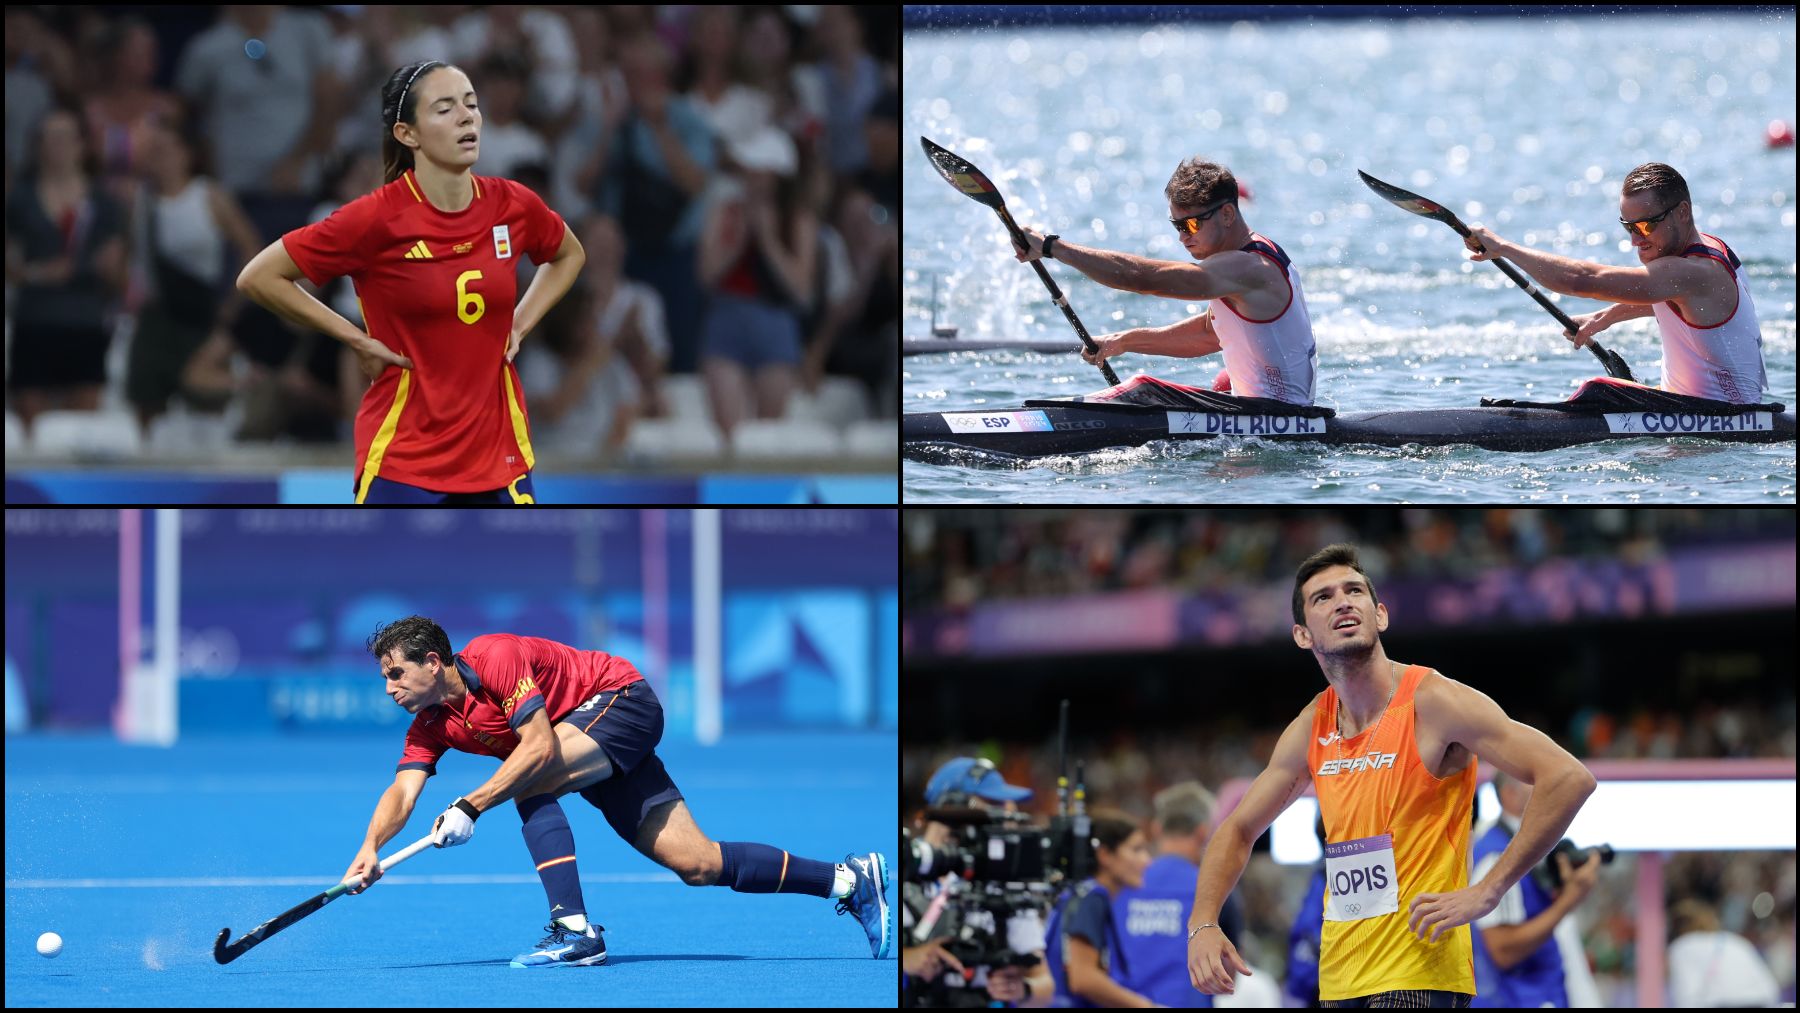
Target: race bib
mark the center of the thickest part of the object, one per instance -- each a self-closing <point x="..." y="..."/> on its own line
<point x="1360" y="879"/>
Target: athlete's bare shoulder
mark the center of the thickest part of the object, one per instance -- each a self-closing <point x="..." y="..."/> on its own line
<point x="1303" y="721"/>
<point x="1449" y="707"/>
<point x="1435" y="688"/>
<point x="1290" y="748"/>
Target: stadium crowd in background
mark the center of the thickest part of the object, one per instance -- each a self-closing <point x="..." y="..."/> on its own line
<point x="149" y="155"/>
<point x="957" y="558"/>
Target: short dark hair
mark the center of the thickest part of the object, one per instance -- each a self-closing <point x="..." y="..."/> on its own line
<point x="1197" y="183"/>
<point x="414" y="637"/>
<point x="1330" y="556"/>
<point x="1110" y="828"/>
<point x="1659" y="180"/>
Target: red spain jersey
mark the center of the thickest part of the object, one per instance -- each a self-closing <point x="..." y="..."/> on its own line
<point x="439" y="288"/>
<point x="508" y="679"/>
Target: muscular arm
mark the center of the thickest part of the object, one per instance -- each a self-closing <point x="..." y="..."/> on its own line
<point x="1281" y="782"/>
<point x="1233" y="273"/>
<point x="1560" y="782"/>
<point x="1186" y="339"/>
<point x="395" y="807"/>
<point x="537" y="751"/>
<point x="1618" y="313"/>
<point x="1658" y="281"/>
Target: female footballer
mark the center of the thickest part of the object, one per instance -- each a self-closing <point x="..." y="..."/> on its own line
<point x="431" y="254"/>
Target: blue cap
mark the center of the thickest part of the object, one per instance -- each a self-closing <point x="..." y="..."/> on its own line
<point x="967" y="775"/>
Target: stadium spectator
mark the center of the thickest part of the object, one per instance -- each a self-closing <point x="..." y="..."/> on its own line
<point x="186" y="226"/>
<point x="861" y="336"/>
<point x="592" y="382"/>
<point x="661" y="156"/>
<point x="1709" y="966"/>
<point x="507" y="140"/>
<point x="757" y="266"/>
<point x="65" y="253"/>
<point x="267" y="119"/>
<point x="39" y="66"/>
<point x="127" y="107"/>
<point x="852" y="85"/>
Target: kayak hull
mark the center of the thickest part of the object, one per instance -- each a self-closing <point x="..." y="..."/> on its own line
<point x="1041" y="431"/>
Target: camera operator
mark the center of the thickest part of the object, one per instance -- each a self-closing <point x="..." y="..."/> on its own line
<point x="1087" y="957"/>
<point x="1527" y="950"/>
<point x="938" y="928"/>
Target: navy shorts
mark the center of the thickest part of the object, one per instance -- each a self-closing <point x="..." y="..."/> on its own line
<point x="389" y="492"/>
<point x="627" y="723"/>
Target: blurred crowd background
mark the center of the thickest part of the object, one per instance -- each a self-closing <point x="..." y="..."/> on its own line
<point x="1670" y="687"/>
<point x="957" y="558"/>
<point x="151" y="151"/>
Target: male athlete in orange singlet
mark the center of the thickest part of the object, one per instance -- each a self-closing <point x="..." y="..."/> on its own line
<point x="1390" y="749"/>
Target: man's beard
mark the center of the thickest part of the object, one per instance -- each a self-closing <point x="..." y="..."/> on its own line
<point x="1352" y="652"/>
